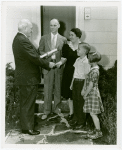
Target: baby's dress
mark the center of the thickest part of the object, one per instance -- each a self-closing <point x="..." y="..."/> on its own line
<point x="93" y="102"/>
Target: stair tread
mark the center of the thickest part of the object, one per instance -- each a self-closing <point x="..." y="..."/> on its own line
<point x="41" y="101"/>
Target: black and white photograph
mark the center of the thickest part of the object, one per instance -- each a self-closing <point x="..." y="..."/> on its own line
<point x="59" y="70"/>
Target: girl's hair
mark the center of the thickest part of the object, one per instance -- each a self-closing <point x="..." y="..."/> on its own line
<point x="94" y="57"/>
<point x="77" y="32"/>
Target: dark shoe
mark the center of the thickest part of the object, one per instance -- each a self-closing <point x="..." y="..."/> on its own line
<point x="31" y="132"/>
<point x="73" y="123"/>
<point x="70" y="117"/>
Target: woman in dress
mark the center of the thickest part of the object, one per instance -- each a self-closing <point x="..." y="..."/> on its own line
<point x="69" y="52"/>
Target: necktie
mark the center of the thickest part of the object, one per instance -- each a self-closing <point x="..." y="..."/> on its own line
<point x="53" y="44"/>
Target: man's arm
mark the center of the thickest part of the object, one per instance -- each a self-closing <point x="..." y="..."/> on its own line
<point x="63" y="60"/>
<point x="41" y="49"/>
<point x="29" y="51"/>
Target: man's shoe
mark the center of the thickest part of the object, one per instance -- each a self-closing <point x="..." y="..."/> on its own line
<point x="44" y="117"/>
<point x="73" y="123"/>
<point x="70" y="117"/>
<point x="31" y="132"/>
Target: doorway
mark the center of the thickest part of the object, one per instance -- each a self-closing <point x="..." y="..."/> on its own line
<point x="65" y="14"/>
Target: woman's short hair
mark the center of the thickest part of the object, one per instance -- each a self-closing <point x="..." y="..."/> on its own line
<point x="77" y="32"/>
<point x="94" y="57"/>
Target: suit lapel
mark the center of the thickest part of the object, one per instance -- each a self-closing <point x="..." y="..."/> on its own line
<point x="58" y="40"/>
<point x="49" y="41"/>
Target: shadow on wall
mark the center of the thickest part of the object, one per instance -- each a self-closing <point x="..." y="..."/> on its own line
<point x="35" y="34"/>
<point x="104" y="60"/>
<point x="83" y="37"/>
<point x="62" y="28"/>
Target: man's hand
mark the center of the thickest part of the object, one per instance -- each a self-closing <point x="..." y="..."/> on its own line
<point x="58" y="64"/>
<point x="51" y="64"/>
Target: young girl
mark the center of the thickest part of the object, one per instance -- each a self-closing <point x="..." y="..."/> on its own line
<point x="90" y="92"/>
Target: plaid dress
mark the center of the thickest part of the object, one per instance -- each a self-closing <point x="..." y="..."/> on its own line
<point x="93" y="103"/>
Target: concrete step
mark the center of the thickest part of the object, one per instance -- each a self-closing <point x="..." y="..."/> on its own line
<point x="40" y="106"/>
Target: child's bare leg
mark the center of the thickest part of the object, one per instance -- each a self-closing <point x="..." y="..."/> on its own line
<point x="97" y="132"/>
<point x="95" y="120"/>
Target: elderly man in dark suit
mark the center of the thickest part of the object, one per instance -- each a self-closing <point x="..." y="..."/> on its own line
<point x="52" y="78"/>
<point x="27" y="74"/>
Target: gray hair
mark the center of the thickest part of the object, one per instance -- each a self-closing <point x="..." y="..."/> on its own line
<point x="23" y="24"/>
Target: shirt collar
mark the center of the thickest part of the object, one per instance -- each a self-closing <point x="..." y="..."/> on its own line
<point x="96" y="67"/>
<point x="71" y="45"/>
<point x="82" y="59"/>
<point x="23" y="34"/>
<point x="53" y="34"/>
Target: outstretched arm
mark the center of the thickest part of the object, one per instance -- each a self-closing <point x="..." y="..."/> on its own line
<point x="41" y="46"/>
<point x="32" y="55"/>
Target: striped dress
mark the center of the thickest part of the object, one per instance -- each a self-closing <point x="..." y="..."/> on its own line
<point x="93" y="103"/>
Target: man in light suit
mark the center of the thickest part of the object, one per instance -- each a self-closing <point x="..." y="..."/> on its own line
<point x="27" y="74"/>
<point x="52" y="78"/>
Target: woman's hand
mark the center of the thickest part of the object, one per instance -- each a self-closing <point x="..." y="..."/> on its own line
<point x="58" y="65"/>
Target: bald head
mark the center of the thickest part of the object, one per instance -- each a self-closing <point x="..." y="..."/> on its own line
<point x="54" y="26"/>
<point x="55" y="20"/>
<point x="25" y="26"/>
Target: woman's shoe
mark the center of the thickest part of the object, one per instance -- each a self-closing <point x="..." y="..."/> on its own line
<point x="70" y="117"/>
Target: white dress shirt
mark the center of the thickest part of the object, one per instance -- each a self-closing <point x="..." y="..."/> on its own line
<point x="52" y="36"/>
<point x="81" y="68"/>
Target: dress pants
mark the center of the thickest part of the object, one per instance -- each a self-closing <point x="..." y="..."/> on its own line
<point x="27" y="105"/>
<point x="78" y="102"/>
<point x="52" y="85"/>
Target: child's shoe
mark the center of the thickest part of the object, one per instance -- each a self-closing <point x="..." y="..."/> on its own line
<point x="96" y="135"/>
<point x="90" y="132"/>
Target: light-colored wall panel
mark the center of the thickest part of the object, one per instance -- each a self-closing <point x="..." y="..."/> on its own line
<point x="19" y="12"/>
<point x="9" y="49"/>
<point x="112" y="60"/>
<point x="101" y="37"/>
<point x="100" y="25"/>
<point x="10" y="58"/>
<point x="100" y="32"/>
<point x="104" y="13"/>
<point x="105" y="49"/>
<point x="105" y="61"/>
<point x="108" y="61"/>
<point x="14" y="15"/>
<point x="80" y="17"/>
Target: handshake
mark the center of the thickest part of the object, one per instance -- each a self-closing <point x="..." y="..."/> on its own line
<point x="55" y="65"/>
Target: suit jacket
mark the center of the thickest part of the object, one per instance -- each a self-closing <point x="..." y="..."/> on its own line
<point x="45" y="46"/>
<point x="27" y="61"/>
